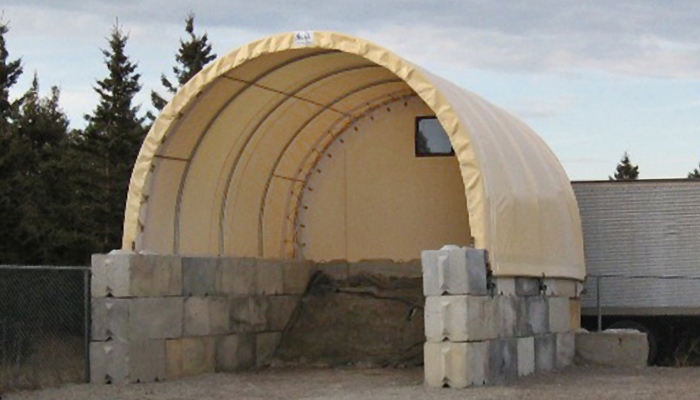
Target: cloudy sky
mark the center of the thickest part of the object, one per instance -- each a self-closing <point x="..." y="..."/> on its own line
<point x="594" y="78"/>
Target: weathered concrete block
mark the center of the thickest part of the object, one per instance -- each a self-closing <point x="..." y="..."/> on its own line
<point x="147" y="361"/>
<point x="266" y="345"/>
<point x="199" y="275"/>
<point x="454" y="270"/>
<point x="386" y="267"/>
<point x="270" y="276"/>
<point x="614" y="348"/>
<point x="235" y="352"/>
<point x="527" y="286"/>
<point x="508" y="309"/>
<point x="108" y="362"/>
<point x="505" y="286"/>
<point x="336" y="269"/>
<point x="236" y="276"/>
<point x="205" y="316"/>
<point x="99" y="280"/>
<point x="566" y="348"/>
<point x="138" y="275"/>
<point x="545" y="352"/>
<point x="559" y="287"/>
<point x="458" y="365"/>
<point x="559" y="318"/>
<point x="248" y="314"/>
<point x="155" y="318"/>
<point x="190" y="356"/>
<point x="296" y="275"/>
<point x="503" y="360"/>
<point x="537" y="314"/>
<point x="461" y="318"/>
<point x="522" y="317"/>
<point x="110" y="319"/>
<point x="279" y="311"/>
<point x="574" y="315"/>
<point x="526" y="355"/>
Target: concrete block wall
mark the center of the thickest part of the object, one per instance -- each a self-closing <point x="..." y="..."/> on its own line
<point x="482" y="330"/>
<point x="163" y="317"/>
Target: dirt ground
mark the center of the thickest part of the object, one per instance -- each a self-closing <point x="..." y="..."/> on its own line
<point x="573" y="383"/>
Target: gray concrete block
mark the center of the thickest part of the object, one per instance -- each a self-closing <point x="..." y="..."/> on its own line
<point x="454" y="270"/>
<point x="147" y="361"/>
<point x="236" y="276"/>
<point x="337" y="269"/>
<point x="110" y="319"/>
<point x="545" y="352"/>
<point x="613" y="348"/>
<point x="508" y="309"/>
<point x="458" y="365"/>
<point x="99" y="280"/>
<point x="155" y="318"/>
<point x="190" y="356"/>
<point x="527" y="286"/>
<point x="522" y="317"/>
<point x="137" y="275"/>
<point x="108" y="362"/>
<point x="296" y="275"/>
<point x="566" y="348"/>
<point x="235" y="352"/>
<point x="279" y="311"/>
<point x="269" y="276"/>
<point x="386" y="268"/>
<point x="248" y="314"/>
<point x="503" y="360"/>
<point x="266" y="345"/>
<point x="537" y="314"/>
<point x="461" y="318"/>
<point x="559" y="287"/>
<point x="205" y="316"/>
<point x="559" y="318"/>
<point x="199" y="276"/>
<point x="505" y="286"/>
<point x="526" y="355"/>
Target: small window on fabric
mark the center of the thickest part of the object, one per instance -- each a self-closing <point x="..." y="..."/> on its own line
<point x="431" y="138"/>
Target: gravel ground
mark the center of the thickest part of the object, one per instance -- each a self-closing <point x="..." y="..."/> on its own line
<point x="383" y="384"/>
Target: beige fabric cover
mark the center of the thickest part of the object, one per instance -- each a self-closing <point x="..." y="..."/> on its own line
<point x="200" y="158"/>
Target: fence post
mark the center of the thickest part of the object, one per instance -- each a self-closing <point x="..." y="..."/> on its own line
<point x="86" y="328"/>
<point x="598" y="280"/>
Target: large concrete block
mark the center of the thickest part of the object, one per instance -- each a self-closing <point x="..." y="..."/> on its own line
<point x="454" y="270"/>
<point x="526" y="355"/>
<point x="248" y="314"/>
<point x="99" y="280"/>
<point x="155" y="318"/>
<point x="558" y="287"/>
<point x="527" y="286"/>
<point x="270" y="276"/>
<point x="205" y="316"/>
<point x="559" y="318"/>
<point x="505" y="286"/>
<point x="147" y="361"/>
<point x="337" y="269"/>
<point x="537" y="314"/>
<point x="545" y="352"/>
<point x="138" y="275"/>
<point x="121" y="362"/>
<point x="190" y="356"/>
<point x="235" y="352"/>
<point x="566" y="348"/>
<point x="296" y="275"/>
<point x="503" y="360"/>
<point x="614" y="348"/>
<point x="386" y="268"/>
<point x="279" y="311"/>
<point x="236" y="276"/>
<point x="574" y="315"/>
<point x="266" y="345"/>
<point x="457" y="365"/>
<point x="509" y="308"/>
<point x="461" y="318"/>
<point x="199" y="275"/>
<point x="110" y="319"/>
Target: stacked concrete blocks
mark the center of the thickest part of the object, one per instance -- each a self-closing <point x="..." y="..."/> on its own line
<point x="163" y="317"/>
<point x="486" y="331"/>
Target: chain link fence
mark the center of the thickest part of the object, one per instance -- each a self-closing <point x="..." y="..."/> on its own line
<point x="666" y="308"/>
<point x="44" y="326"/>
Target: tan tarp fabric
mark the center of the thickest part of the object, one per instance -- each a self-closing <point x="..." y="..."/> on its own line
<point x="224" y="166"/>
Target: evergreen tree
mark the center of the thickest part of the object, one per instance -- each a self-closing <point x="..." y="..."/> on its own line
<point x="193" y="55"/>
<point x="625" y="171"/>
<point x="695" y="174"/>
<point x="109" y="146"/>
<point x="10" y="72"/>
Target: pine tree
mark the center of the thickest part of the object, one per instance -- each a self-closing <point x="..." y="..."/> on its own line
<point x="695" y="174"/>
<point x="110" y="144"/>
<point x="10" y="72"/>
<point x="194" y="54"/>
<point x="625" y="171"/>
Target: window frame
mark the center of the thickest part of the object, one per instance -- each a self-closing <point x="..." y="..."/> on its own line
<point x="415" y="139"/>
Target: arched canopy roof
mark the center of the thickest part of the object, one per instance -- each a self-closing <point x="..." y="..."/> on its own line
<point x="223" y="167"/>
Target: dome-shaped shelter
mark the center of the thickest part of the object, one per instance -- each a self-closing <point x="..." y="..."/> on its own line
<point x="317" y="145"/>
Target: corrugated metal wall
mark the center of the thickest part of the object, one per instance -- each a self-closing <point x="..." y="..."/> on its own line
<point x="643" y="228"/>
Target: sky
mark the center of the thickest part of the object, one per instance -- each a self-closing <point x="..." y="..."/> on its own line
<point x="594" y="78"/>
